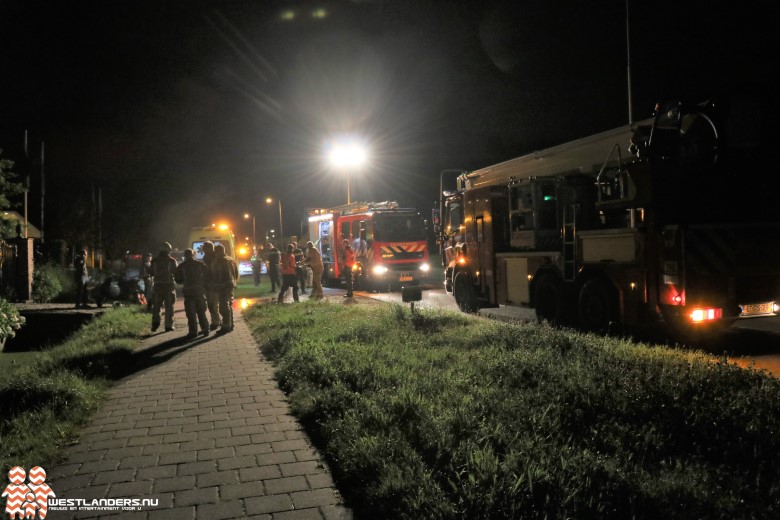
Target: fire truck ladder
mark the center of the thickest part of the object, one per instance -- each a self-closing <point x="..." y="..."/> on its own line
<point x="570" y="242"/>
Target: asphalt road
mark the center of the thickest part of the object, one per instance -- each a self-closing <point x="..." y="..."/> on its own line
<point x="754" y="342"/>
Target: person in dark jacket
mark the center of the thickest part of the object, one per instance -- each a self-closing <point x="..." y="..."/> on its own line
<point x="212" y="295"/>
<point x="348" y="261"/>
<point x="193" y="275"/>
<point x="163" y="272"/>
<point x="300" y="268"/>
<point x="273" y="267"/>
<point x="224" y="274"/>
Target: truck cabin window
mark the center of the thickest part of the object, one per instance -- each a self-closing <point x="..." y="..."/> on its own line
<point x="399" y="228"/>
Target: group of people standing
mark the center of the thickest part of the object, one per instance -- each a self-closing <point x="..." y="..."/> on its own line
<point x="291" y="265"/>
<point x="207" y="285"/>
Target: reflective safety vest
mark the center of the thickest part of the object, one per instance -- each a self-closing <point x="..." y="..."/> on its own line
<point x="349" y="257"/>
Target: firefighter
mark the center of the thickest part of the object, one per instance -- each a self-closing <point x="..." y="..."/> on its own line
<point x="212" y="298"/>
<point x="163" y="271"/>
<point x="360" y="247"/>
<point x="289" y="274"/>
<point x="314" y="261"/>
<point x="348" y="260"/>
<point x="193" y="275"/>
<point x="224" y="274"/>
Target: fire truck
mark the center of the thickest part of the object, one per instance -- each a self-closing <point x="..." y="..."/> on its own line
<point x="396" y="248"/>
<point x="666" y="224"/>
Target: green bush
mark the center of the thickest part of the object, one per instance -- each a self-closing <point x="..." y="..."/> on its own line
<point x="46" y="283"/>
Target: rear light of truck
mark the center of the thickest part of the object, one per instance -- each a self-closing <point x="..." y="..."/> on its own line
<point x="703" y="315"/>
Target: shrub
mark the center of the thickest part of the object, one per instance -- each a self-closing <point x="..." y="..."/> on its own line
<point x="47" y="283"/>
<point x="10" y="320"/>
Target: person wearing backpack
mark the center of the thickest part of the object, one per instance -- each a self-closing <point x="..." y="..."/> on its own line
<point x="193" y="275"/>
<point x="163" y="271"/>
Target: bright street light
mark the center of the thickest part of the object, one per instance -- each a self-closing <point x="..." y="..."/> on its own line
<point x="346" y="154"/>
<point x="254" y="235"/>
<point x="270" y="200"/>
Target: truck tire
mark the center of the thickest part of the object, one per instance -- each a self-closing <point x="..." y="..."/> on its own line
<point x="548" y="301"/>
<point x="597" y="305"/>
<point x="464" y="293"/>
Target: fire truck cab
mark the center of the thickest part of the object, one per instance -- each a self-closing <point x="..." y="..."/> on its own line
<point x="389" y="242"/>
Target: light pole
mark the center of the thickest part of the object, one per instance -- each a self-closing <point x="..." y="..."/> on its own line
<point x="346" y="154"/>
<point x="269" y="200"/>
<point x="254" y="234"/>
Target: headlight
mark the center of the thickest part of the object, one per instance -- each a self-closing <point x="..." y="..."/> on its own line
<point x="380" y="269"/>
<point x="425" y="268"/>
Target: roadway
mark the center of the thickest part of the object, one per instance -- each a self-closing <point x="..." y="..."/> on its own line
<point x="753" y="342"/>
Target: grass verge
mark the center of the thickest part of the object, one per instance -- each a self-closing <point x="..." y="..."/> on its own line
<point x="440" y="415"/>
<point x="48" y="399"/>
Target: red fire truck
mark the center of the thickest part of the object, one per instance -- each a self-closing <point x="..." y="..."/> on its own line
<point x="670" y="222"/>
<point x="396" y="248"/>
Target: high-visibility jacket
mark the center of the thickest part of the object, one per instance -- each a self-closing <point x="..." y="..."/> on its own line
<point x="288" y="263"/>
<point x="349" y="256"/>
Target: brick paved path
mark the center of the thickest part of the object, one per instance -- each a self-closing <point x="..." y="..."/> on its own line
<point x="204" y="429"/>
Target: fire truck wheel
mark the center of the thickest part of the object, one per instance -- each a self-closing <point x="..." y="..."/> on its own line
<point x="547" y="298"/>
<point x="596" y="306"/>
<point x="464" y="293"/>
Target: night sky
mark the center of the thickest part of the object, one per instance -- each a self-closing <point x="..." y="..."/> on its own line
<point x="185" y="112"/>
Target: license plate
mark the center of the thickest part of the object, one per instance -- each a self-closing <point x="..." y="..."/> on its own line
<point x="757" y="309"/>
<point x="404" y="278"/>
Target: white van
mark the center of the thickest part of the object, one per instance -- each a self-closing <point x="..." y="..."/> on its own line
<point x="217" y="234"/>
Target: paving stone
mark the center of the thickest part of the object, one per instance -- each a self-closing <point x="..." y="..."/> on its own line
<point x="314" y="498"/>
<point x="299" y="468"/>
<point x="135" y="489"/>
<point x="217" y="478"/>
<point x="286" y="485"/>
<point x="142" y="461"/>
<point x="193" y="468"/>
<point x="299" y="514"/>
<point x="259" y="473"/>
<point x="155" y="472"/>
<point x="178" y="457"/>
<point x="174" y="484"/>
<point x="110" y="477"/>
<point x="196" y="496"/>
<point x="268" y="504"/>
<point x="243" y="490"/>
<point x="225" y="509"/>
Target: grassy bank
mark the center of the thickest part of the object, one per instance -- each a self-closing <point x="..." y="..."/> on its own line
<point x="45" y="401"/>
<point x="440" y="415"/>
